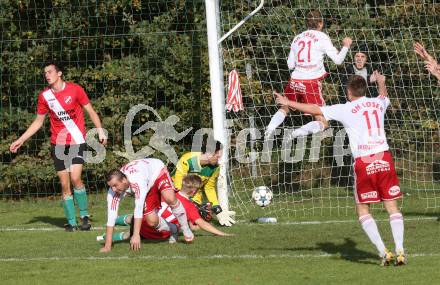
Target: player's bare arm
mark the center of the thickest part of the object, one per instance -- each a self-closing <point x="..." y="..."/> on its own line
<point x="204" y="225"/>
<point x="421" y="51"/>
<point x="433" y="67"/>
<point x="33" y="128"/>
<point x="431" y="63"/>
<point x="135" y="241"/>
<point x="380" y="80"/>
<point x="194" y="227"/>
<point x="108" y="240"/>
<point x="97" y="122"/>
<point x="305" y="108"/>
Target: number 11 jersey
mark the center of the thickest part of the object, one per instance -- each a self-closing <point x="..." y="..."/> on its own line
<point x="363" y="120"/>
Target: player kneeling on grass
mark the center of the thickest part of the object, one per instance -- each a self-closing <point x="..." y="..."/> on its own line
<point x="148" y="181"/>
<point x="190" y="185"/>
<point x="375" y="176"/>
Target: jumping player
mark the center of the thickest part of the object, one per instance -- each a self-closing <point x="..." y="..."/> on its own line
<point x="64" y="102"/>
<point x="306" y="59"/>
<point x="375" y="175"/>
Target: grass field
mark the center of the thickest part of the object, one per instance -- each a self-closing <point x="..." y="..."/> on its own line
<point x="312" y="250"/>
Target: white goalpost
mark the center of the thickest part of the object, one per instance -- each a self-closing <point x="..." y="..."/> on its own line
<point x="217" y="89"/>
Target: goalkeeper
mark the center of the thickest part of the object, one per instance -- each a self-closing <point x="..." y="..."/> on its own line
<point x="205" y="165"/>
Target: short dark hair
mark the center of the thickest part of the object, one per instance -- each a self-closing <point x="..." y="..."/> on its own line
<point x="207" y="146"/>
<point x="357" y="86"/>
<point x="115" y="173"/>
<point x="313" y="19"/>
<point x="58" y="66"/>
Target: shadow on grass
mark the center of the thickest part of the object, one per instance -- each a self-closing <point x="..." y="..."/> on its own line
<point x="55" y="221"/>
<point x="346" y="251"/>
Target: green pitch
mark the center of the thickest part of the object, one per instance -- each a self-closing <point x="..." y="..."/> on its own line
<point x="36" y="250"/>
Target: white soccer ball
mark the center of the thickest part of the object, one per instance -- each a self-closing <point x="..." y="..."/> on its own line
<point x="262" y="196"/>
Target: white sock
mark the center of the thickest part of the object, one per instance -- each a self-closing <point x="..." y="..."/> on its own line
<point x="163" y="225"/>
<point x="309" y="128"/>
<point x="276" y="120"/>
<point x="396" y="222"/>
<point x="370" y="228"/>
<point x="179" y="212"/>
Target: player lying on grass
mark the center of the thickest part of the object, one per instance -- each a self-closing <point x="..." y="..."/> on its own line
<point x="148" y="181"/>
<point x="204" y="164"/>
<point x="374" y="173"/>
<point x="306" y="59"/>
<point x="190" y="186"/>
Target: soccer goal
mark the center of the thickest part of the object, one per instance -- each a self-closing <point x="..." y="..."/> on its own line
<point x="312" y="176"/>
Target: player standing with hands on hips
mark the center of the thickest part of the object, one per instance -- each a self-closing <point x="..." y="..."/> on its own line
<point x="306" y="59"/>
<point x="375" y="176"/>
<point x="64" y="102"/>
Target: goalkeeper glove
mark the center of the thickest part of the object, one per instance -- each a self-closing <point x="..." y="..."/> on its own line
<point x="224" y="217"/>
<point x="205" y="211"/>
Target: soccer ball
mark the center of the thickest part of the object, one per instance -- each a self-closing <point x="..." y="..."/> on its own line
<point x="262" y="195"/>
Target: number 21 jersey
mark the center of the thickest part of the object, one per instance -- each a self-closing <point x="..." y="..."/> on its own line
<point x="307" y="52"/>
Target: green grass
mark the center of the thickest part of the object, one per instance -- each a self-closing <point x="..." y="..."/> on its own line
<point x="285" y="253"/>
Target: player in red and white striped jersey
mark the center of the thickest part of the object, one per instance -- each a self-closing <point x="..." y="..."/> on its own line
<point x="375" y="176"/>
<point x="190" y="185"/>
<point x="64" y="102"/>
<point x="306" y="59"/>
<point x="148" y="181"/>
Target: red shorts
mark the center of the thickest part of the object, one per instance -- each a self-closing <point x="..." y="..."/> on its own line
<point x="148" y="232"/>
<point x="305" y="91"/>
<point x="163" y="182"/>
<point x="375" y="179"/>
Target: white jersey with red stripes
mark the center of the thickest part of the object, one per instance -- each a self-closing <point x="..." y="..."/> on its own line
<point x="142" y="174"/>
<point x="307" y="52"/>
<point x="363" y="120"/>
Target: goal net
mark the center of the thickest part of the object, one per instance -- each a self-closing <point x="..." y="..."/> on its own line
<point x="312" y="176"/>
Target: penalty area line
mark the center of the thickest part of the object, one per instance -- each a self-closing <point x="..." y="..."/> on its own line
<point x="206" y="257"/>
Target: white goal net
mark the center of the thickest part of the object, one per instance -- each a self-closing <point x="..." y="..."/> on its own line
<point x="312" y="176"/>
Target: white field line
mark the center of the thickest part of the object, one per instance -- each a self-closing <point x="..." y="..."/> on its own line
<point x="40" y="229"/>
<point x="206" y="257"/>
<point x="301" y="223"/>
<point x="44" y="228"/>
